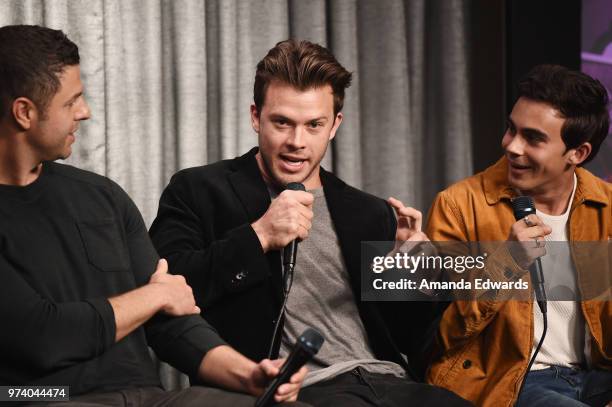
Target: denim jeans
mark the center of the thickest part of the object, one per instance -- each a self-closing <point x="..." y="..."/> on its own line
<point x="563" y="386"/>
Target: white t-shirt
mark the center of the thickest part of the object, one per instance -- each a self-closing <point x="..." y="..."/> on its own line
<point x="564" y="344"/>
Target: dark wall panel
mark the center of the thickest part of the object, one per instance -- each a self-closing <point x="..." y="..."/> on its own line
<point x="487" y="79"/>
<point x="507" y="39"/>
<point x="540" y="32"/>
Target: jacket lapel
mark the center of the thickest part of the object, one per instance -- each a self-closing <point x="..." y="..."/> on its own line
<point x="249" y="186"/>
<point x="345" y="218"/>
<point x="251" y="190"/>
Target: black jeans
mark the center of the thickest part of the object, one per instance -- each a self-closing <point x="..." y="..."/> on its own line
<point x="361" y="388"/>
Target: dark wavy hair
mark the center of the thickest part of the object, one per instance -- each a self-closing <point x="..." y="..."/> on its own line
<point x="31" y="60"/>
<point x="302" y="65"/>
<point x="581" y="100"/>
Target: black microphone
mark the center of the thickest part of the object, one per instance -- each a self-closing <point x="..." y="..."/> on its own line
<point x="290" y="251"/>
<point x="522" y="207"/>
<point x="306" y="346"/>
<point x="289" y="255"/>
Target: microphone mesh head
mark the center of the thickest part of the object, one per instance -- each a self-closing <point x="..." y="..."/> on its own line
<point x="312" y="340"/>
<point x="295" y="186"/>
<point x="522" y="206"/>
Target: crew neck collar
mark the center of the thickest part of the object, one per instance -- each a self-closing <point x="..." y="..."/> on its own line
<point x="30" y="190"/>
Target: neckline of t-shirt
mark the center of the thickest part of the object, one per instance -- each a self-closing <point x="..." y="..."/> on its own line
<point x="32" y="189"/>
<point x="564" y="215"/>
<point x="317" y="192"/>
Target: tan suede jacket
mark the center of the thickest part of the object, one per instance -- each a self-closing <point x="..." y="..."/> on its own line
<point x="483" y="347"/>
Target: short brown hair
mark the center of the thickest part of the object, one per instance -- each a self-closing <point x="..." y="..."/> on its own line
<point x="581" y="100"/>
<point x="302" y="65"/>
<point x="31" y="60"/>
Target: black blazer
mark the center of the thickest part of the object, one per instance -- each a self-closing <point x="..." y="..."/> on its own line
<point x="203" y="230"/>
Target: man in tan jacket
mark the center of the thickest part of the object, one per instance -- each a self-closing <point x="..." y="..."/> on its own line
<point x="484" y="347"/>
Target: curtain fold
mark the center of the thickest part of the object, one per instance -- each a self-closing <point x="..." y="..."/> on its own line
<point x="170" y="83"/>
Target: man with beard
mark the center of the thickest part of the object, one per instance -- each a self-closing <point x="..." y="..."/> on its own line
<point x="82" y="292"/>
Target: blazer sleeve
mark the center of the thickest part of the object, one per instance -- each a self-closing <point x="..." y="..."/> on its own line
<point x="215" y="263"/>
<point x="411" y="323"/>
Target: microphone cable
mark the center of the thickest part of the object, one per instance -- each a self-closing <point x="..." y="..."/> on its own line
<point x="522" y="207"/>
<point x="288" y="263"/>
<point x="542" y="305"/>
<point x="537" y="349"/>
<point x="287" y="283"/>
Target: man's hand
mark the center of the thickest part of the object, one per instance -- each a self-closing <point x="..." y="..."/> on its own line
<point x="531" y="232"/>
<point x="409" y="222"/>
<point x="224" y="367"/>
<point x="177" y="295"/>
<point x="267" y="370"/>
<point x="164" y="292"/>
<point x="288" y="217"/>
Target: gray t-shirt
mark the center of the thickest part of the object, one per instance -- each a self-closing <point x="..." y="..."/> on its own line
<point x="321" y="297"/>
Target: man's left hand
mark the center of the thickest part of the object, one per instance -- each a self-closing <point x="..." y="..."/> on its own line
<point x="409" y="222"/>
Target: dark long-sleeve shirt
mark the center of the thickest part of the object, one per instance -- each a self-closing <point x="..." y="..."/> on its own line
<point x="68" y="242"/>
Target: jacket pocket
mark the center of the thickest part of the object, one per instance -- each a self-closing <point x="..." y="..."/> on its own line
<point x="104" y="245"/>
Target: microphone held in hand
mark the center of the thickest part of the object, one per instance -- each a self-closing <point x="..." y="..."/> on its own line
<point x="523" y="206"/>
<point x="289" y="255"/>
<point x="306" y="346"/>
<point x="290" y="251"/>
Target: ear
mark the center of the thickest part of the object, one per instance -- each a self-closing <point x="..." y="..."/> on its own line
<point x="579" y="154"/>
<point x="24" y="112"/>
<point x="335" y="126"/>
<point x="255" y="118"/>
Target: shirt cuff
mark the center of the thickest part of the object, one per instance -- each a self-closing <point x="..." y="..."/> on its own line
<point x="108" y="328"/>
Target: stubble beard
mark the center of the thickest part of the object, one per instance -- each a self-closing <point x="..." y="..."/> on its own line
<point x="279" y="183"/>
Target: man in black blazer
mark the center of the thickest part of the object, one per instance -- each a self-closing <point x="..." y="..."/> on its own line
<point x="223" y="226"/>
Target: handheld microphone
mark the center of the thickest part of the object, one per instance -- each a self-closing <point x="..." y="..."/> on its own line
<point x="290" y="251"/>
<point x="523" y="206"/>
<point x="289" y="256"/>
<point x="306" y="346"/>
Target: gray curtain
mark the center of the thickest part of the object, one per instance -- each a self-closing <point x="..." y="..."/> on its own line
<point x="170" y="85"/>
